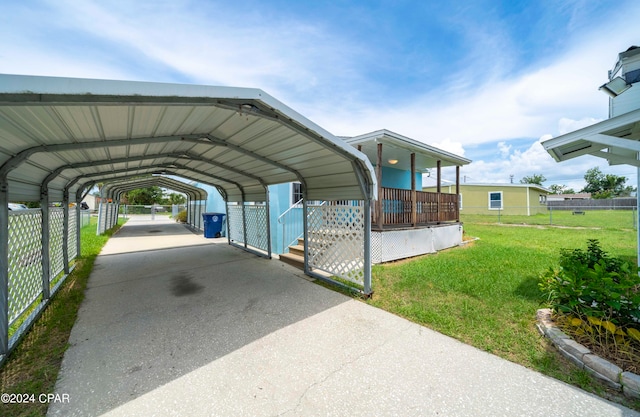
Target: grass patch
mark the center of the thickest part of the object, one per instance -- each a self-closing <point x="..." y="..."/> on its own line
<point x="33" y="366"/>
<point x="600" y="219"/>
<point x="486" y="295"/>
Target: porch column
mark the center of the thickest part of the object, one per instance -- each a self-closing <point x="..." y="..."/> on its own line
<point x="439" y="188"/>
<point x="414" y="214"/>
<point x="379" y="214"/>
<point x="458" y="193"/>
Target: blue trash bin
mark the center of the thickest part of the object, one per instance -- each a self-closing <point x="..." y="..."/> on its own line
<point x="212" y="224"/>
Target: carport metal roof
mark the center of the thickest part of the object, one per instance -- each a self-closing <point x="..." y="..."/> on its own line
<point x="58" y="135"/>
<point x="116" y="188"/>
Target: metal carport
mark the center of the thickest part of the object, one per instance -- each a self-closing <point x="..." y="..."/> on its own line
<point x="59" y="136"/>
<point x="113" y="190"/>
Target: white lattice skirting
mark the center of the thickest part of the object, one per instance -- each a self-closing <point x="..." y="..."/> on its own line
<point x="390" y="245"/>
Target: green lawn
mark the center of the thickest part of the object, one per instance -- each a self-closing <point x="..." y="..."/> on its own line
<point x="607" y="219"/>
<point x="485" y="293"/>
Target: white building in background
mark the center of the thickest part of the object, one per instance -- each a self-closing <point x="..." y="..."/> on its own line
<point x="624" y="96"/>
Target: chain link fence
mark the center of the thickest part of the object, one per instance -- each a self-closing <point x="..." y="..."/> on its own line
<point x="566" y="215"/>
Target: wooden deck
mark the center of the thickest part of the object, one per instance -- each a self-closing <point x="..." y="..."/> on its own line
<point x="398" y="208"/>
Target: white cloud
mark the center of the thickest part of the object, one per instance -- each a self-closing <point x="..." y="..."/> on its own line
<point x="566" y="125"/>
<point x="504" y="149"/>
<point x="535" y="160"/>
<point x="450" y="146"/>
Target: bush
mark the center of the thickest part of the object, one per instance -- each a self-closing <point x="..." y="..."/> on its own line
<point x="181" y="217"/>
<point x="593" y="284"/>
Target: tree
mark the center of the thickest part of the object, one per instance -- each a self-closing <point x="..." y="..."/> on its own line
<point x="175" y="198"/>
<point x="561" y="189"/>
<point x="144" y="196"/>
<point x="533" y="179"/>
<point x="602" y="185"/>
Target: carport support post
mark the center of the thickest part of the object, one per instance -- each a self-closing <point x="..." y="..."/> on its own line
<point x="226" y="210"/>
<point x="78" y="222"/>
<point x="190" y="220"/>
<point x="202" y="208"/>
<point x="268" y="214"/>
<point x="367" y="246"/>
<point x="114" y="213"/>
<point x="638" y="220"/>
<point x="305" y="230"/>
<point x="4" y="266"/>
<point x="244" y="223"/>
<point x="192" y="214"/>
<point x="44" y="207"/>
<point x="65" y="233"/>
<point x="100" y="214"/>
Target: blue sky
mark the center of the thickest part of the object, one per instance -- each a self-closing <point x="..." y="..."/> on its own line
<point x="486" y="79"/>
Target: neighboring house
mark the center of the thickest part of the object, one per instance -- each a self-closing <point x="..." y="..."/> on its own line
<point x="92" y="201"/>
<point x="520" y="199"/>
<point x="569" y="197"/>
<point x="405" y="222"/>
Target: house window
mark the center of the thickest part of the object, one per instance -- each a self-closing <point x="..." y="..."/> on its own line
<point x="542" y="198"/>
<point x="632" y="77"/>
<point x="495" y="200"/>
<point x="296" y="192"/>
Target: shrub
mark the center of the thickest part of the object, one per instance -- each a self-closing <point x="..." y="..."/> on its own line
<point x="593" y="284"/>
<point x="181" y="217"/>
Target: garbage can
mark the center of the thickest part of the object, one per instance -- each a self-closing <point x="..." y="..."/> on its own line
<point x="212" y="224"/>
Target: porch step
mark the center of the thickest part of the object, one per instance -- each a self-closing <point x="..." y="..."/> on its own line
<point x="293" y="260"/>
<point x="295" y="257"/>
<point x="297" y="249"/>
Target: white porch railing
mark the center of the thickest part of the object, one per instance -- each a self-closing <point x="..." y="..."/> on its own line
<point x="292" y="227"/>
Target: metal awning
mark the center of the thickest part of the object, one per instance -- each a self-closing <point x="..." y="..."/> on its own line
<point x="616" y="139"/>
<point x="114" y="189"/>
<point x="61" y="135"/>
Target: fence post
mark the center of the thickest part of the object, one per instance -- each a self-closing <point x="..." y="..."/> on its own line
<point x="4" y="266"/>
<point x="550" y="214"/>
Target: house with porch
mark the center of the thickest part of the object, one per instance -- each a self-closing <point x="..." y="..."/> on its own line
<point x="405" y="220"/>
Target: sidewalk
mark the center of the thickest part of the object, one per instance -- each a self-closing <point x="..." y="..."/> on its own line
<point x="177" y="325"/>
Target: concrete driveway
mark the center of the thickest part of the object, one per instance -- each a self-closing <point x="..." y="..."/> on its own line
<point x="177" y="325"/>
